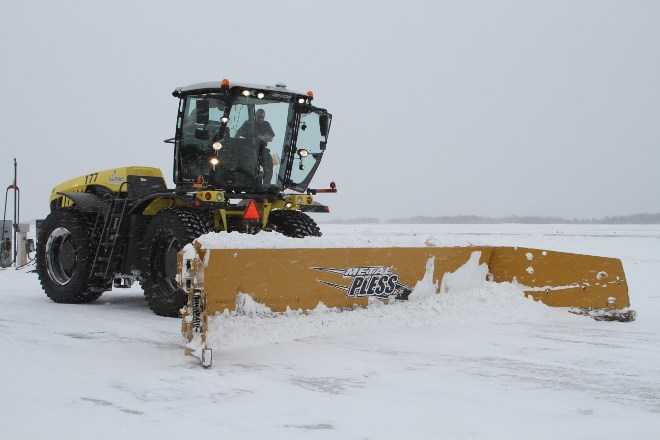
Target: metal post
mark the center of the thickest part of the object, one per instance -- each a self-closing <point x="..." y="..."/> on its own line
<point x="9" y="257"/>
<point x="22" y="245"/>
<point x="5" y="244"/>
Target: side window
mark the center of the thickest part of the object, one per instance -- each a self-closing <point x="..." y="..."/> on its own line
<point x="191" y="128"/>
<point x="309" y="139"/>
<point x="195" y="149"/>
<point x="190" y="121"/>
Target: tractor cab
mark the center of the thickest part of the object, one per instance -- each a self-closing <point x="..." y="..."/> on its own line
<point x="243" y="138"/>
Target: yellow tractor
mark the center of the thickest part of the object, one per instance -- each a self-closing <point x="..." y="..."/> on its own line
<point x="244" y="156"/>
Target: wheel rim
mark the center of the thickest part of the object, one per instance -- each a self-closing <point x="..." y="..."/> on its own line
<point x="61" y="256"/>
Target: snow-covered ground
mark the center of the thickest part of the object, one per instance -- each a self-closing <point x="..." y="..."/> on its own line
<point x="478" y="363"/>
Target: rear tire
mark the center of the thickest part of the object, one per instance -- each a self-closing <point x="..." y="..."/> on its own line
<point x="167" y="234"/>
<point x="293" y="224"/>
<point x="64" y="257"/>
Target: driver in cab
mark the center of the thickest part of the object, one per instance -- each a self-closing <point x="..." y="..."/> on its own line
<point x="260" y="127"/>
<point x="260" y="130"/>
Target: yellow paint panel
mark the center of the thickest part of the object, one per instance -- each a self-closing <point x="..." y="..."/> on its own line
<point x="301" y="278"/>
<point x="563" y="279"/>
<point x="294" y="277"/>
<point x="112" y="179"/>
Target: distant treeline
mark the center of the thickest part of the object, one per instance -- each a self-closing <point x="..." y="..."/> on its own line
<point x="635" y="219"/>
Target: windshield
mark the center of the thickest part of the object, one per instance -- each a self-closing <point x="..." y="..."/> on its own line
<point x="249" y="146"/>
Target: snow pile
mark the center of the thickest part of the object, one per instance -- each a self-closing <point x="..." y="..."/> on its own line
<point x="246" y="306"/>
<point x="426" y="287"/>
<point x="467" y="277"/>
<point x="464" y="297"/>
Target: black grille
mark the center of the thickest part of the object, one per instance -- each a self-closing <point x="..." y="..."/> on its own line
<point x="140" y="186"/>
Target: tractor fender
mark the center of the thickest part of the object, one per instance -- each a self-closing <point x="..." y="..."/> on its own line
<point x="86" y="202"/>
<point x="153" y="203"/>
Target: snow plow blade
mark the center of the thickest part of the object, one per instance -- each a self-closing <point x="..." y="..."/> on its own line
<point x="300" y="278"/>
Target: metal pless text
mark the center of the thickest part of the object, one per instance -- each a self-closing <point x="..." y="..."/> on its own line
<point x="376" y="281"/>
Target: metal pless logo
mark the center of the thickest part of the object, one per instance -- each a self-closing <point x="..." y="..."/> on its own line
<point x="114" y="178"/>
<point x="377" y="281"/>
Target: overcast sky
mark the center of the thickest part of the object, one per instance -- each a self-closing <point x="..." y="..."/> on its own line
<point x="439" y="108"/>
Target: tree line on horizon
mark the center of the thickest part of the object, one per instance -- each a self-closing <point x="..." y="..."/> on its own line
<point x="634" y="219"/>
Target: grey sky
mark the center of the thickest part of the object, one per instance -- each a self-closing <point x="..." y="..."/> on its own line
<point x="440" y="108"/>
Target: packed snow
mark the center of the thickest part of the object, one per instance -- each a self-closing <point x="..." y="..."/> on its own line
<point x="469" y="359"/>
<point x="265" y="240"/>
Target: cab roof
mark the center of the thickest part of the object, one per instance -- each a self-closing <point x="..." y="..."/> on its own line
<point x="215" y="86"/>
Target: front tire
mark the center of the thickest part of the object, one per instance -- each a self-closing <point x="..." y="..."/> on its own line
<point x="64" y="257"/>
<point x="293" y="224"/>
<point x="167" y="234"/>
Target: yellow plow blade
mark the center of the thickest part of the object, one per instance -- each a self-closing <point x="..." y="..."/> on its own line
<point x="561" y="279"/>
<point x="300" y="278"/>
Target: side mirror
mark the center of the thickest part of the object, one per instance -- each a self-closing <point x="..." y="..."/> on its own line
<point x="323" y="124"/>
<point x="202" y="111"/>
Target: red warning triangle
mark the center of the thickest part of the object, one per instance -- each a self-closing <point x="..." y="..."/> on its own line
<point x="252" y="211"/>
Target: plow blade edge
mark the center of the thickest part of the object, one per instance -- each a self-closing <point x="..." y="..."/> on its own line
<point x="300" y="278"/>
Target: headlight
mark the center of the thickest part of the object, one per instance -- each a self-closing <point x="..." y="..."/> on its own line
<point x="302" y="152"/>
<point x="217" y="145"/>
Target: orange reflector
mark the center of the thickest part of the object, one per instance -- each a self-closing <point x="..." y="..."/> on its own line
<point x="224" y="82"/>
<point x="207" y="196"/>
<point x="309" y="200"/>
<point x="252" y="211"/>
<point x="310" y="93"/>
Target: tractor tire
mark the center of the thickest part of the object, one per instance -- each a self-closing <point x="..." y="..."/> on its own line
<point x="293" y="224"/>
<point x="64" y="257"/>
<point x="169" y="231"/>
